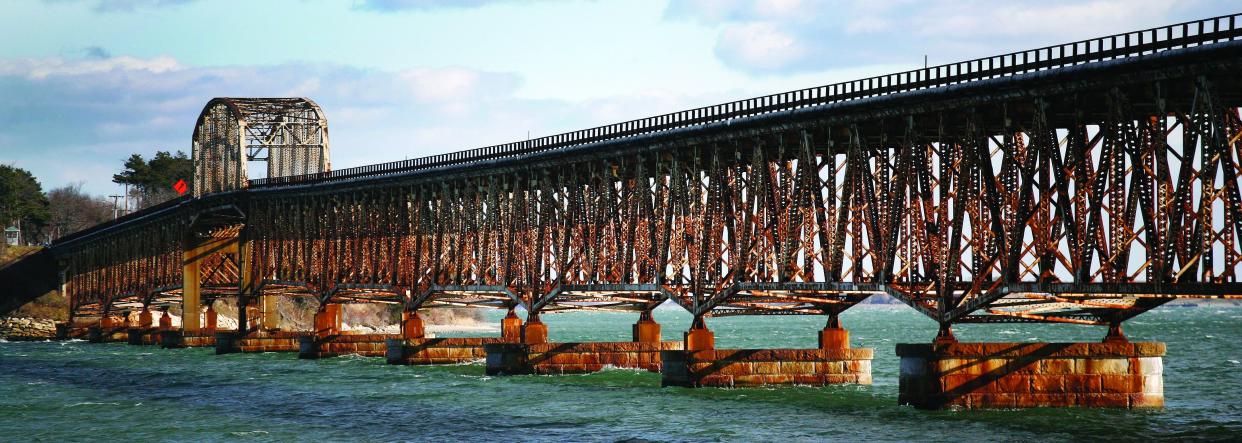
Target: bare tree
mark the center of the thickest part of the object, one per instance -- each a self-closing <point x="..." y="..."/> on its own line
<point x="73" y="210"/>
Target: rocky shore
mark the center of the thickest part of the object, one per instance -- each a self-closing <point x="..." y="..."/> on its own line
<point x="27" y="329"/>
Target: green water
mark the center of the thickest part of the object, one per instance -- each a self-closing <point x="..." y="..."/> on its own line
<point x="53" y="391"/>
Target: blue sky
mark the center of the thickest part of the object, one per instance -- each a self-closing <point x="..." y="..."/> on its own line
<point x="85" y="83"/>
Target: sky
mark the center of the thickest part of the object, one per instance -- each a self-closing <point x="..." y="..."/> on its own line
<point x="86" y="83"/>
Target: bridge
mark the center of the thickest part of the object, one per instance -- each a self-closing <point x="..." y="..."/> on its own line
<point x="1081" y="183"/>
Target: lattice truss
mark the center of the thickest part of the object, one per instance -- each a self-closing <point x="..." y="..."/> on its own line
<point x="131" y="267"/>
<point x="1085" y="208"/>
<point x="1093" y="221"/>
<point x="289" y="134"/>
<point x="142" y="265"/>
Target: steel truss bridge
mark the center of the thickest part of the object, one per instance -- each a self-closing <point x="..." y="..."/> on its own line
<point x="1083" y="183"/>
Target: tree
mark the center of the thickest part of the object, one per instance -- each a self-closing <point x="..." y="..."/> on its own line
<point x="153" y="180"/>
<point x="72" y="210"/>
<point x="22" y="202"/>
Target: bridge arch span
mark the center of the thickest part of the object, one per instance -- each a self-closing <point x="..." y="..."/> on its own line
<point x="289" y="134"/>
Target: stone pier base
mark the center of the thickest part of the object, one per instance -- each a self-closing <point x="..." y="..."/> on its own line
<point x="367" y="345"/>
<point x="259" y="341"/>
<point x="1015" y="375"/>
<point x="171" y="339"/>
<point x="96" y="334"/>
<point x="201" y="339"/>
<point x="758" y="367"/>
<point x="142" y="336"/>
<point x="438" y="351"/>
<point x="574" y="358"/>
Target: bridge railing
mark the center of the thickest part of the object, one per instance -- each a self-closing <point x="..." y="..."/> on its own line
<point x="1117" y="46"/>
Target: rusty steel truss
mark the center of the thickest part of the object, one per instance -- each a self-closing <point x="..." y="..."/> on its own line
<point x="1079" y="183"/>
<point x="289" y="134"/>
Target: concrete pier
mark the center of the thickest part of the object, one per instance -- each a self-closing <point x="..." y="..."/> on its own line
<point x="367" y="345"/>
<point x="574" y="358"/>
<point x="438" y="351"/>
<point x="701" y="365"/>
<point x="142" y="336"/>
<point x="259" y="341"/>
<point x="1017" y="375"/>
<point x="758" y="367"/>
<point x="100" y="334"/>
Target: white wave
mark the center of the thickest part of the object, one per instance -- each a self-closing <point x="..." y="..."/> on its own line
<point x="481" y="327"/>
<point x="91" y="403"/>
<point x="1234" y="362"/>
<point x="248" y="433"/>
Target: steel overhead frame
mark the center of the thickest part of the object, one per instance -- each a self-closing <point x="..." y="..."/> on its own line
<point x="1077" y="183"/>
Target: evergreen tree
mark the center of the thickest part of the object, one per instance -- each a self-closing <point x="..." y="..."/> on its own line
<point x="152" y="181"/>
<point x="22" y="203"/>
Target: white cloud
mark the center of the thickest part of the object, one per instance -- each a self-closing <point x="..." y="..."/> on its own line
<point x="425" y="5"/>
<point x="106" y="6"/>
<point x="784" y="36"/>
<point x="90" y="114"/>
<point x="440" y="85"/>
<point x="37" y="68"/>
<point x="762" y="45"/>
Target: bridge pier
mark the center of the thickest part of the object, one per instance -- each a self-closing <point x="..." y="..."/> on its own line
<point x="511" y="326"/>
<point x="699" y="338"/>
<point x="949" y="374"/>
<point x="414" y="348"/>
<point x="701" y="365"/>
<point x="109" y="329"/>
<point x="412" y="325"/>
<point x="330" y="341"/>
<point x="534" y="331"/>
<point x="556" y="358"/>
<point x="252" y="335"/>
<point x="144" y="333"/>
<point x="646" y="330"/>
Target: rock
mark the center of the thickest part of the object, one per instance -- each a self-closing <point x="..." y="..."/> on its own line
<point x="27" y="329"/>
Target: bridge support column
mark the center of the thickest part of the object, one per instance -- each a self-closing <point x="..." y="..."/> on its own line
<point x="699" y="338"/>
<point x="254" y="316"/>
<point x="328" y="320"/>
<point x="212" y="320"/>
<point x="145" y="321"/>
<point x="646" y="330"/>
<point x="534" y="332"/>
<point x="511" y="327"/>
<point x="412" y="325"/>
<point x="833" y="336"/>
<point x="191" y="278"/>
<point x="271" y="315"/>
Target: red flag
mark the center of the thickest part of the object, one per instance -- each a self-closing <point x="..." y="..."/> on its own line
<point x="180" y="187"/>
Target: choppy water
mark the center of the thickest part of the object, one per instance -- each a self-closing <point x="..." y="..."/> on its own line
<point x="77" y="391"/>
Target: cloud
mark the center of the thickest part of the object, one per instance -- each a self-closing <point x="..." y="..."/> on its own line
<point x="788" y="36"/>
<point x="71" y="120"/>
<point x="427" y="5"/>
<point x="38" y="68"/>
<point x="111" y="6"/>
<point x="761" y="45"/>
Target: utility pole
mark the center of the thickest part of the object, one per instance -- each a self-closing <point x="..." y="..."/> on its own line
<point x="115" y="201"/>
